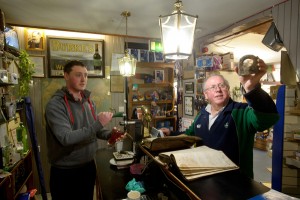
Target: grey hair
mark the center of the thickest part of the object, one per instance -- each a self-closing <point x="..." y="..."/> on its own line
<point x="214" y="75"/>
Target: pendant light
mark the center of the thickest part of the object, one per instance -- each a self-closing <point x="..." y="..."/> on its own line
<point x="127" y="64"/>
<point x="177" y="33"/>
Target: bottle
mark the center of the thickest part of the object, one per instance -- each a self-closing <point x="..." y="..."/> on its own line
<point x="22" y="134"/>
<point x="7" y="154"/>
<point x="97" y="59"/>
<point x="19" y="145"/>
<point x="3" y="107"/>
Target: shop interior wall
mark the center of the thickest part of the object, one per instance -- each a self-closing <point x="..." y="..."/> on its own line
<point x="43" y="88"/>
<point x="286" y="18"/>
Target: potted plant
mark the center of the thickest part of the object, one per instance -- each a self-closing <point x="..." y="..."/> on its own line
<point x="26" y="70"/>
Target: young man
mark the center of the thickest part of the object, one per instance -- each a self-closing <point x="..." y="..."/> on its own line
<point x="230" y="126"/>
<point x="73" y="126"/>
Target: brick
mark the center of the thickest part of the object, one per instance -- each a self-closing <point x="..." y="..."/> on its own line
<point x="290" y="180"/>
<point x="291" y="127"/>
<point x="292" y="119"/>
<point x="290" y="92"/>
<point x="289" y="102"/>
<point x="287" y="171"/>
<point x="290" y="146"/>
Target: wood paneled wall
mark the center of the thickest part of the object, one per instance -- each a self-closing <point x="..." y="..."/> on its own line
<point x="44" y="88"/>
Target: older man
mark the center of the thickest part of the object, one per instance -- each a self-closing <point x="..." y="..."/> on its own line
<point x="230" y="126"/>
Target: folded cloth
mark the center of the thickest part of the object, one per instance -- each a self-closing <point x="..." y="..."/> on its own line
<point x="135" y="185"/>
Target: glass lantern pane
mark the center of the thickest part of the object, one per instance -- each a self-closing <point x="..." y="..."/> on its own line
<point x="177" y="32"/>
<point x="127" y="66"/>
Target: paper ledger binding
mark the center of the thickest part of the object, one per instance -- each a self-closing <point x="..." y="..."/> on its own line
<point x="170" y="143"/>
<point x="197" y="162"/>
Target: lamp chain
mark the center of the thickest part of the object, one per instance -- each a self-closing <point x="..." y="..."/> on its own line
<point x="126" y="14"/>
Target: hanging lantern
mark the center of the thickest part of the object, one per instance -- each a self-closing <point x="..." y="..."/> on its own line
<point x="177" y="33"/>
<point x="127" y="64"/>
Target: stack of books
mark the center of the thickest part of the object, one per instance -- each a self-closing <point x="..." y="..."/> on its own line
<point x="197" y="162"/>
<point x="122" y="159"/>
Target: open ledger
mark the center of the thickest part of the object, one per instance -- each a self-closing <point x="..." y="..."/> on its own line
<point x="197" y="162"/>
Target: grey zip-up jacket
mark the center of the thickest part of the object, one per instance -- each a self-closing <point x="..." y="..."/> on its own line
<point x="72" y="129"/>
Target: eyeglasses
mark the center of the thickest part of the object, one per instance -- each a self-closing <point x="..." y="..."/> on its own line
<point x="216" y="87"/>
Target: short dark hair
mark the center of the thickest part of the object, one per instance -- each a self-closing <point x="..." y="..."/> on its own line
<point x="68" y="67"/>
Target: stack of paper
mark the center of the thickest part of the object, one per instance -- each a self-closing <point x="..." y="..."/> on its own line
<point x="198" y="162"/>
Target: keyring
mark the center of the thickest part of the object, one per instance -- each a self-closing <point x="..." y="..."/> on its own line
<point x="248" y="65"/>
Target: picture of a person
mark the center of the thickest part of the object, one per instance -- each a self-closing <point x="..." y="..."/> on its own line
<point x="159" y="76"/>
<point x="35" y="40"/>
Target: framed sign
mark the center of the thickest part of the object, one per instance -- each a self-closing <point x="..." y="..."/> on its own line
<point x="116" y="83"/>
<point x="62" y="50"/>
<point x="189" y="105"/>
<point x="39" y="63"/>
<point x="34" y="39"/>
<point x="189" y="87"/>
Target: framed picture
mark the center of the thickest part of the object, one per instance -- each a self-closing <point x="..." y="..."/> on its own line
<point x="39" y="63"/>
<point x="189" y="87"/>
<point x="189" y="105"/>
<point x="159" y="76"/>
<point x="62" y="50"/>
<point x="116" y="83"/>
<point x="34" y="39"/>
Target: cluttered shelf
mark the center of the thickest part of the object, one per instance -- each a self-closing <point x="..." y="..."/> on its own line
<point x="155" y="64"/>
<point x="16" y="177"/>
<point x="154" y="85"/>
<point x="149" y="102"/>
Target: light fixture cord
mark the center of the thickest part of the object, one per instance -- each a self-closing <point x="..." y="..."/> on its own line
<point x="126" y="32"/>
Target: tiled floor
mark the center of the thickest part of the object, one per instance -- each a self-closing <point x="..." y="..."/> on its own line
<point x="262" y="167"/>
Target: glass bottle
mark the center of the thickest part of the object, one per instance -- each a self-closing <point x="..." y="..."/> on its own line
<point x="22" y="135"/>
<point x="3" y="107"/>
<point x="19" y="145"/>
<point x="97" y="59"/>
<point x="7" y="154"/>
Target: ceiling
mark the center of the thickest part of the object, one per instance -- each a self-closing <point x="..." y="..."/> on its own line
<point x="104" y="16"/>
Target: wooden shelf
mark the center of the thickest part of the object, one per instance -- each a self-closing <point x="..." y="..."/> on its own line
<point x="270" y="83"/>
<point x="8" y="188"/>
<point x="149" y="102"/>
<point x="2" y="84"/>
<point x="153" y="85"/>
<point x="155" y="64"/>
<point x="146" y="89"/>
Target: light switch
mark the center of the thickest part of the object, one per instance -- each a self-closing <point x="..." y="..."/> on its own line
<point x="121" y="108"/>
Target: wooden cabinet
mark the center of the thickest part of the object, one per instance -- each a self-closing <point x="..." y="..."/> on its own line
<point x="21" y="174"/>
<point x="152" y="87"/>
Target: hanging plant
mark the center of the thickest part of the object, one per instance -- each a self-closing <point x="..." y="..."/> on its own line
<point x="26" y="70"/>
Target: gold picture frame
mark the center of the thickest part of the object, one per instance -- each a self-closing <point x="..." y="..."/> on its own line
<point x="34" y="39"/>
<point x="61" y="50"/>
